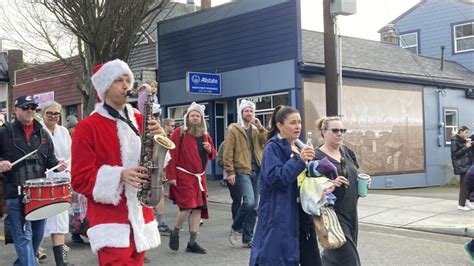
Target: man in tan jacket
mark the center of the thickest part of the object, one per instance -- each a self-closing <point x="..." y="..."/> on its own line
<point x="243" y="151"/>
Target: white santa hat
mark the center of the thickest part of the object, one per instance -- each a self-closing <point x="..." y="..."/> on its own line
<point x="244" y="104"/>
<point x="106" y="74"/>
<point x="198" y="108"/>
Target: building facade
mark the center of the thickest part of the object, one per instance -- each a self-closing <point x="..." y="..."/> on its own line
<point x="54" y="81"/>
<point x="434" y="23"/>
<point x="400" y="108"/>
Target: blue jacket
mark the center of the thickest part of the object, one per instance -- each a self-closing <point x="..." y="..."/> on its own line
<point x="276" y="240"/>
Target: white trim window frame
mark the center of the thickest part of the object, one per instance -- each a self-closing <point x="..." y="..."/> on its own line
<point x="178" y="118"/>
<point x="468" y="38"/>
<point x="410" y="46"/>
<point x="451" y="124"/>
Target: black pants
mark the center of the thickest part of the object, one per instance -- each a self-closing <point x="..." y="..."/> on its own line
<point x="309" y="250"/>
<point x="236" y="198"/>
<point x="463" y="190"/>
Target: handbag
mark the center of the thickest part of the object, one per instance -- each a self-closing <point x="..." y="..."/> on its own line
<point x="328" y="229"/>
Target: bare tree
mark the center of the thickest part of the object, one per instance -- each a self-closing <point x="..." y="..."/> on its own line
<point x="96" y="30"/>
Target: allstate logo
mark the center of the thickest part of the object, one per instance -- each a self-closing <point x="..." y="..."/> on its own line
<point x="195" y="79"/>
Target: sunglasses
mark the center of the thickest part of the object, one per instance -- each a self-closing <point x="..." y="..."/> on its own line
<point x="30" y="107"/>
<point x="51" y="114"/>
<point x="335" y="130"/>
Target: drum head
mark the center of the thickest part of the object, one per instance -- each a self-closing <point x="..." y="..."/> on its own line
<point x="39" y="182"/>
<point x="48" y="211"/>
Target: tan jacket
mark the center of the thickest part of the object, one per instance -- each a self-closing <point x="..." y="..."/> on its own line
<point x="237" y="149"/>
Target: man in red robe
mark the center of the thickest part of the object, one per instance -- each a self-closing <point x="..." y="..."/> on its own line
<point x="105" y="157"/>
<point x="186" y="173"/>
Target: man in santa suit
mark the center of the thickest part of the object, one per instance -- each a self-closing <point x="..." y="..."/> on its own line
<point x="105" y="157"/>
<point x="186" y="172"/>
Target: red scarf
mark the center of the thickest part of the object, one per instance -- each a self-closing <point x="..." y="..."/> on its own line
<point x="28" y="129"/>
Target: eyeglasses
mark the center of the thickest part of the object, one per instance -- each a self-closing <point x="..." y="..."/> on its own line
<point x="335" y="130"/>
<point x="51" y="114"/>
<point x="30" y="107"/>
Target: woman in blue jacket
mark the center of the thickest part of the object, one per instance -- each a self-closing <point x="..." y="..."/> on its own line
<point x="277" y="234"/>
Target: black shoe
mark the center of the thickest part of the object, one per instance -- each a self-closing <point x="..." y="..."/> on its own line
<point x="174" y="241"/>
<point x="195" y="248"/>
<point x="61" y="255"/>
<point x="76" y="238"/>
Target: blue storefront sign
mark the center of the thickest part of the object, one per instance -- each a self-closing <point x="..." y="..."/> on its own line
<point x="203" y="83"/>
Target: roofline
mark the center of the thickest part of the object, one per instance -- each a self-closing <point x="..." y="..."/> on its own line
<point x="403" y="14"/>
<point x="319" y="69"/>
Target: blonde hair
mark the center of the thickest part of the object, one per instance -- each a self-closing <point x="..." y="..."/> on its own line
<point x="323" y="123"/>
<point x="152" y="83"/>
<point x="49" y="105"/>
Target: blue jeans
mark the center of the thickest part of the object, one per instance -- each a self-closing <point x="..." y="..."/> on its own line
<point x="26" y="239"/>
<point x="247" y="215"/>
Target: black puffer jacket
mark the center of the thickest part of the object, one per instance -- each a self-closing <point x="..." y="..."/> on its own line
<point x="460" y="155"/>
<point x="13" y="145"/>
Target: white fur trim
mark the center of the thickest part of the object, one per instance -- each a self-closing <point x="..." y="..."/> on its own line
<point x="107" y="188"/>
<point x="146" y="236"/>
<point x="109" y="72"/>
<point x="244" y="104"/>
<point x="109" y="235"/>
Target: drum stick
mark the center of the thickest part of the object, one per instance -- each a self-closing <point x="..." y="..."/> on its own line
<point x="24" y="157"/>
<point x="56" y="167"/>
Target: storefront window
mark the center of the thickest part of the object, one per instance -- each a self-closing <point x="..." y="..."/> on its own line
<point x="265" y="105"/>
<point x="178" y="112"/>
<point x="384" y="122"/>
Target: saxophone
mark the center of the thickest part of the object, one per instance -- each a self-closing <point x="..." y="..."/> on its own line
<point x="152" y="157"/>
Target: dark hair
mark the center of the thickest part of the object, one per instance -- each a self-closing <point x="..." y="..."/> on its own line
<point x="462" y="128"/>
<point x="280" y="113"/>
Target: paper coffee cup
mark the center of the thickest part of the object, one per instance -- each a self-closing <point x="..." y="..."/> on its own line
<point x="362" y="184"/>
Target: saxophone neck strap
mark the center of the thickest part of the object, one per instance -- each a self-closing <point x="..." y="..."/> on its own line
<point x="116" y="114"/>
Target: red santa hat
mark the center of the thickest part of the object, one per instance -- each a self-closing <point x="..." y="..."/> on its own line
<point x="106" y="74"/>
<point x="197" y="108"/>
<point x="244" y="104"/>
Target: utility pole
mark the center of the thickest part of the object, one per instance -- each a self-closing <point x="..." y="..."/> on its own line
<point x="330" y="65"/>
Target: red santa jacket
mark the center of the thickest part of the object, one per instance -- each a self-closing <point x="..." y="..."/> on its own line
<point x="101" y="148"/>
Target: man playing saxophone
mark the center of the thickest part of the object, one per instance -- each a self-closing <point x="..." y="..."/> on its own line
<point x="105" y="168"/>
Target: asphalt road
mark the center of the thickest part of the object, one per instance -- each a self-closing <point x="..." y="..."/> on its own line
<point x="377" y="246"/>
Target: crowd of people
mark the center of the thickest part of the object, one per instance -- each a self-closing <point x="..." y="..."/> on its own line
<point x="100" y="157"/>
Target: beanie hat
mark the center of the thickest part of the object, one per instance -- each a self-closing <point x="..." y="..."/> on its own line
<point x="71" y="121"/>
<point x="106" y="74"/>
<point x="244" y="104"/>
<point x="198" y="108"/>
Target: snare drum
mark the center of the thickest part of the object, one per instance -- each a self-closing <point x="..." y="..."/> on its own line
<point x="46" y="197"/>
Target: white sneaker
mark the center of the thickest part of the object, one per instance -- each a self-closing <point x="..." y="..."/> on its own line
<point x="235" y="238"/>
<point x="463" y="208"/>
<point x="470" y="205"/>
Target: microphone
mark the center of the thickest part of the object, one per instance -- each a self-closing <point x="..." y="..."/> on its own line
<point x="299" y="144"/>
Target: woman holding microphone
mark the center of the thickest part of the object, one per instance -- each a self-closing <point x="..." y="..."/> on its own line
<point x="276" y="239"/>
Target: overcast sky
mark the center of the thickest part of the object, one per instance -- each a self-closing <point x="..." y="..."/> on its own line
<point x="370" y="17"/>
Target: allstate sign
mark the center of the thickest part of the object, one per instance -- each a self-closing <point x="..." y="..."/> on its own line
<point x="203" y="83"/>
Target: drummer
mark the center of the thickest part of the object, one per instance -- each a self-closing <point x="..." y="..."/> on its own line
<point x="58" y="225"/>
<point x="18" y="139"/>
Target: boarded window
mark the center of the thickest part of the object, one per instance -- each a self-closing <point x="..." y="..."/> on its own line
<point x="384" y="122"/>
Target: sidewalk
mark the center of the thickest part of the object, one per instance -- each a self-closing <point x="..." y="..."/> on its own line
<point x="429" y="214"/>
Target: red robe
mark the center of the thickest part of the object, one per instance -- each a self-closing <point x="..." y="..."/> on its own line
<point x="187" y="192"/>
<point x="101" y="148"/>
